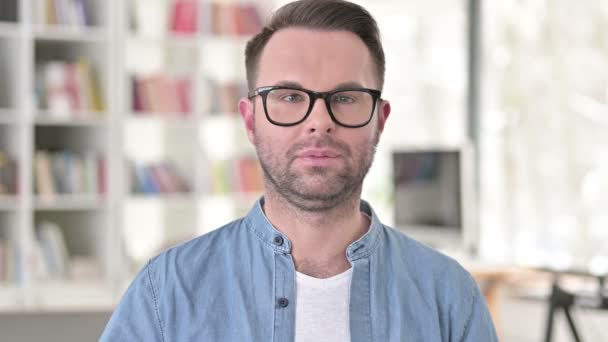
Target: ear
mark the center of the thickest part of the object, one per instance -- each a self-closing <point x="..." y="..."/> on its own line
<point x="246" y="109"/>
<point x="384" y="110"/>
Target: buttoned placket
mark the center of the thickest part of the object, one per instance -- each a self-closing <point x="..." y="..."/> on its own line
<point x="284" y="291"/>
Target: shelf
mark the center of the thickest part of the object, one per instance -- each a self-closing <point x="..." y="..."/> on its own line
<point x="58" y="296"/>
<point x="83" y="119"/>
<point x="10" y="298"/>
<point x="69" y="202"/>
<point x="169" y="118"/>
<point x="193" y="40"/>
<point x="9" y="202"/>
<point x="9" y="30"/>
<point x="165" y="197"/>
<point x="232" y="38"/>
<point x="74" y="296"/>
<point x="240" y="197"/>
<point x="70" y="33"/>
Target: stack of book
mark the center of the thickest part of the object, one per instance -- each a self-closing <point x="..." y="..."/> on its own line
<point x="7" y="261"/>
<point x="68" y="89"/>
<point x="8" y="175"/>
<point x="52" y="253"/>
<point x="52" y="260"/>
<point x="250" y="175"/>
<point x="66" y="172"/>
<point x="229" y="18"/>
<point x="243" y="175"/>
<point x="161" y="94"/>
<point x="157" y="178"/>
<point x="63" y="12"/>
<point x="188" y="17"/>
<point x="184" y="16"/>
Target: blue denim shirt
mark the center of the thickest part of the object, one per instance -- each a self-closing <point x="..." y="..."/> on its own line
<point x="238" y="283"/>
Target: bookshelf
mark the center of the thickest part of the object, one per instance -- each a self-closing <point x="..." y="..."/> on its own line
<point x="120" y="118"/>
<point x="55" y="73"/>
<point x="197" y="43"/>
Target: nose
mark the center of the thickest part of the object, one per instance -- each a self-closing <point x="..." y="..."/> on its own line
<point x="319" y="120"/>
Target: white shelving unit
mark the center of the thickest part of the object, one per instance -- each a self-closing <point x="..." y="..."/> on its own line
<point x="86" y="221"/>
<point x="113" y="232"/>
<point x="192" y="142"/>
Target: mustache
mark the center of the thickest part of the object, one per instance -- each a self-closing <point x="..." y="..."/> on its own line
<point x="323" y="142"/>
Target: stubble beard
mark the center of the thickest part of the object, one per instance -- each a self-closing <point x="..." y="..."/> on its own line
<point x="317" y="188"/>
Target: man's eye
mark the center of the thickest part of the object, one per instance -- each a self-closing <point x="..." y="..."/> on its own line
<point x="344" y="99"/>
<point x="292" y="98"/>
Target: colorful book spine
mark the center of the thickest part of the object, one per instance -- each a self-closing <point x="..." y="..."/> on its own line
<point x="162" y="94"/>
<point x="157" y="178"/>
<point x="63" y="12"/>
<point x="8" y="175"/>
<point x="66" y="172"/>
<point x="69" y="89"/>
<point x="184" y="16"/>
<point x="229" y="18"/>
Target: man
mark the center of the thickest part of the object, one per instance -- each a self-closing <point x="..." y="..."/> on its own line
<point x="311" y="261"/>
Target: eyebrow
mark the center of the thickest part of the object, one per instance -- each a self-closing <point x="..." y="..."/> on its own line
<point x="343" y="85"/>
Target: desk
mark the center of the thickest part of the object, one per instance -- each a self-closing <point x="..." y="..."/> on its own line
<point x="491" y="279"/>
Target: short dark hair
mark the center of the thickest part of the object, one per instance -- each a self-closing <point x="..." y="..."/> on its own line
<point x="330" y="15"/>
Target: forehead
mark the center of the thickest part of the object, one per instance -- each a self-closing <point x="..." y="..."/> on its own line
<point x="316" y="59"/>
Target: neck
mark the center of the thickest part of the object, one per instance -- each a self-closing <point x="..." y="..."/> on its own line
<point x="319" y="238"/>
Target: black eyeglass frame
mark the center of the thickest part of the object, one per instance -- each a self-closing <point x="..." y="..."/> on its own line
<point x="313" y="96"/>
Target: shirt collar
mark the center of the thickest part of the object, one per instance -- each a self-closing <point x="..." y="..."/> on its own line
<point x="268" y="234"/>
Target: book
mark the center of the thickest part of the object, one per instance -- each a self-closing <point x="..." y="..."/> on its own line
<point x="7" y="261"/>
<point x="157" y="178"/>
<point x="67" y="172"/>
<point x="63" y="12"/>
<point x="184" y="16"/>
<point x="3" y="257"/>
<point x="53" y="249"/>
<point x="229" y="18"/>
<point x="88" y="86"/>
<point x="250" y="175"/>
<point x="160" y="93"/>
<point x="56" y="95"/>
<point x="44" y="177"/>
<point x="221" y="178"/>
<point x="8" y="175"/>
<point x="69" y="89"/>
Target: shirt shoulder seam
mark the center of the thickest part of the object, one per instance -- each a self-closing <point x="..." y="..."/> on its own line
<point x="160" y="326"/>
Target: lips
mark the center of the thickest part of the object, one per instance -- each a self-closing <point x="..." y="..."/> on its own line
<point x="318" y="153"/>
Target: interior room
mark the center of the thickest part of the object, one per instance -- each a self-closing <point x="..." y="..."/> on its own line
<point x="120" y="137"/>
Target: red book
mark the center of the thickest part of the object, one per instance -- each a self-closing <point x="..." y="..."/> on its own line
<point x="184" y="17"/>
<point x="138" y="105"/>
<point x="72" y="87"/>
<point x="250" y="19"/>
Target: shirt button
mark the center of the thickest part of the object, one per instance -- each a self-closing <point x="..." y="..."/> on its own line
<point x="282" y="302"/>
<point x="278" y="240"/>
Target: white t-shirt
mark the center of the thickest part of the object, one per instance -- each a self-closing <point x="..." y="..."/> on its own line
<point x="322" y="308"/>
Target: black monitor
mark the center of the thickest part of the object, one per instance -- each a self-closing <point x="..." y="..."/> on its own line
<point x="433" y="196"/>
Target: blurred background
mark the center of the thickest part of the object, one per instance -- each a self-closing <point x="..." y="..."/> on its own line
<point x="120" y="137"/>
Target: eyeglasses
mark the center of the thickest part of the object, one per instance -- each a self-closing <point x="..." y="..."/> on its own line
<point x="288" y="106"/>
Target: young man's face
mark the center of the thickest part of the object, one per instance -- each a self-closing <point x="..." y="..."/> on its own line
<point x="317" y="163"/>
